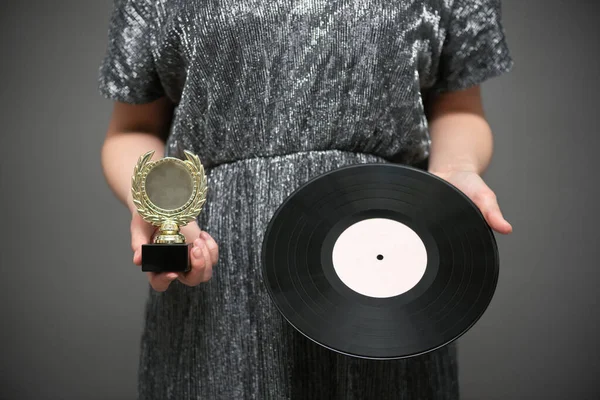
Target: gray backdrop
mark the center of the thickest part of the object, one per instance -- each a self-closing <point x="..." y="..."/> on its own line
<point x="71" y="302"/>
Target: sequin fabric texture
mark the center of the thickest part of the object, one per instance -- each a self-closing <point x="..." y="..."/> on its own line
<point x="270" y="94"/>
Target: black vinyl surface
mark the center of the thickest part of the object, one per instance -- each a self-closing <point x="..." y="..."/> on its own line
<point x="459" y="281"/>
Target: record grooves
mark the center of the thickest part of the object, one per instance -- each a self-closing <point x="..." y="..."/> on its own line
<point x="380" y="261"/>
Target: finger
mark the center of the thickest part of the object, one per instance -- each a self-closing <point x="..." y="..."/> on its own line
<point x="208" y="264"/>
<point x="498" y="223"/>
<point x="490" y="209"/>
<point x="191" y="232"/>
<point x="213" y="248"/>
<point x="160" y="282"/>
<point x="137" y="256"/>
<point x="201" y="269"/>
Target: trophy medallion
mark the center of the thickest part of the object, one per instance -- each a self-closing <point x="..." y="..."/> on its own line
<point x="168" y="193"/>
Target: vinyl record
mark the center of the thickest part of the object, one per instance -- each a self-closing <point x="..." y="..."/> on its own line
<point x="380" y="261"/>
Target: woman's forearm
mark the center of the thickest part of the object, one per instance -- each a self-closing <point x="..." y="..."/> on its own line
<point x="461" y="138"/>
<point x="133" y="131"/>
<point x="120" y="153"/>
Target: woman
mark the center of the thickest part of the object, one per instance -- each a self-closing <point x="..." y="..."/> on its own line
<point x="270" y="94"/>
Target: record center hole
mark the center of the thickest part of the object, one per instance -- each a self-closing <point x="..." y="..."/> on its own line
<point x="379" y="257"/>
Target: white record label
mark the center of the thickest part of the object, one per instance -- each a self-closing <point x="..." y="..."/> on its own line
<point x="379" y="258"/>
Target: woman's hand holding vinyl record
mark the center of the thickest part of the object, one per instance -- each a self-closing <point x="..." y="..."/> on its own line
<point x="461" y="150"/>
<point x="474" y="187"/>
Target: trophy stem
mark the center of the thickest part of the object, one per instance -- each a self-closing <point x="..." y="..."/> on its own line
<point x="168" y="233"/>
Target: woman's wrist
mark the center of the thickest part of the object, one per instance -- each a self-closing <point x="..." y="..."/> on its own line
<point x="448" y="167"/>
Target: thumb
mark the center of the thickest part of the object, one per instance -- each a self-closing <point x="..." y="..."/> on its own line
<point x="141" y="233"/>
<point x="487" y="202"/>
<point x="191" y="231"/>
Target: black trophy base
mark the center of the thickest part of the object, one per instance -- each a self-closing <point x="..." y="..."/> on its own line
<point x="158" y="257"/>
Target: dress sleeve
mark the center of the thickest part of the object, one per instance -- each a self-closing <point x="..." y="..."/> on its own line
<point x="475" y="47"/>
<point x="127" y="72"/>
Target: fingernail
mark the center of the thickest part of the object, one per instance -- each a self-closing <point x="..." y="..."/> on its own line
<point x="204" y="235"/>
<point x="197" y="252"/>
<point x="197" y="242"/>
<point x="171" y="277"/>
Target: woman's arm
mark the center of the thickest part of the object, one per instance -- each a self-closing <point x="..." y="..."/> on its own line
<point x="460" y="135"/>
<point x="133" y="130"/>
<point x="461" y="149"/>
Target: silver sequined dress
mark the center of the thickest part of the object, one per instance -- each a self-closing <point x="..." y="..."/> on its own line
<point x="269" y="94"/>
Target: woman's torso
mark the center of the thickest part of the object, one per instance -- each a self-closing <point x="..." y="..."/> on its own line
<point x="264" y="78"/>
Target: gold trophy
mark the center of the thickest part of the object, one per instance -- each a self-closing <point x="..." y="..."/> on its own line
<point x="168" y="193"/>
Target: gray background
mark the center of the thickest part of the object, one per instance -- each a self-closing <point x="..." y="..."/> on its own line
<point x="71" y="302"/>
